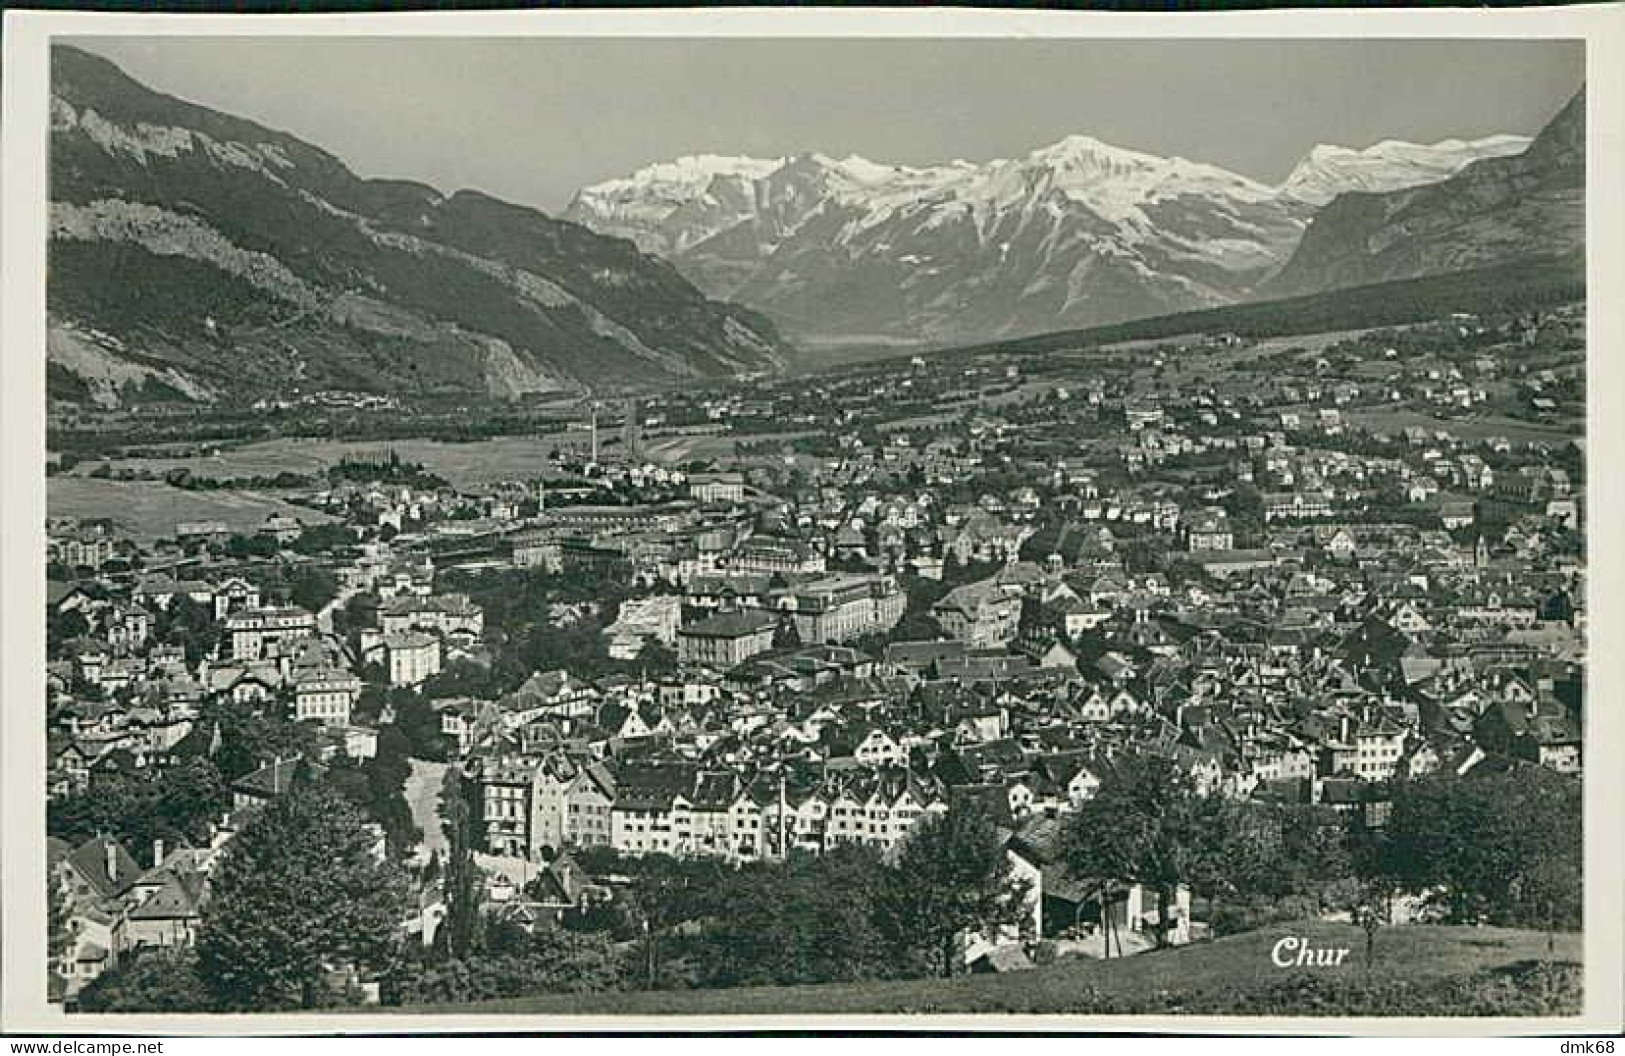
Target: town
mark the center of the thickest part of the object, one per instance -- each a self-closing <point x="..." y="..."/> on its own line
<point x="787" y="618"/>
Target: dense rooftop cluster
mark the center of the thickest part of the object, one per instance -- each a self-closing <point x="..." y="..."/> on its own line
<point x="1300" y="578"/>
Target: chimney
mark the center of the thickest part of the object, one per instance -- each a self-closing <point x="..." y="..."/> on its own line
<point x="112" y="857"/>
<point x="157" y="853"/>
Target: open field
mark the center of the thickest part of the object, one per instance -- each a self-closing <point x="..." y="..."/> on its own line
<point x="147" y="510"/>
<point x="676" y="450"/>
<point x="1519" y="286"/>
<point x="1231" y="973"/>
<point x="462" y="463"/>
<point x="1311" y="344"/>
<point x="1479" y="428"/>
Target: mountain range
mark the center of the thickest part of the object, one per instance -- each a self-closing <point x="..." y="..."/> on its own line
<point x="1075" y="234"/>
<point x="197" y="254"/>
<point x="1496" y="209"/>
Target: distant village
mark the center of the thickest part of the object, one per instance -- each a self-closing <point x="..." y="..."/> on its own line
<point x="1300" y="575"/>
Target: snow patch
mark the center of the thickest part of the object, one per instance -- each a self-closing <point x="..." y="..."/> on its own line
<point x="1390" y="165"/>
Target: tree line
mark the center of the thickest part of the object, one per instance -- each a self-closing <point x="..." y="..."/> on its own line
<point x="300" y="894"/>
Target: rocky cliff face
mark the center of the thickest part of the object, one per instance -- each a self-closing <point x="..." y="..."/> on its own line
<point x="1495" y="211"/>
<point x="224" y="259"/>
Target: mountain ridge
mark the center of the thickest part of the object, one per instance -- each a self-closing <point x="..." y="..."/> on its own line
<point x="1391" y="164"/>
<point x="194" y="246"/>
<point x="1077" y="232"/>
<point x="1494" y="210"/>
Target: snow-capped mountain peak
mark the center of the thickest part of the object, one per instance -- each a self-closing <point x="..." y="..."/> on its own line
<point x="691" y="171"/>
<point x="1390" y="165"/>
<point x="1072" y="233"/>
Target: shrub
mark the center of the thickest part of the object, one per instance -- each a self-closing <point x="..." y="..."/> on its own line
<point x="149" y="980"/>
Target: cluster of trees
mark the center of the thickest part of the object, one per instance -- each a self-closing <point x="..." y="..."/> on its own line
<point x="189" y="624"/>
<point x="175" y="805"/>
<point x="63" y="627"/>
<point x="390" y="469"/>
<point x="299" y="911"/>
<point x="1506" y="847"/>
<point x="808" y="920"/>
<point x="1148" y="825"/>
<point x="513" y="963"/>
<point x="250" y="734"/>
<point x="185" y="479"/>
<point x="306" y="585"/>
<point x="244" y="547"/>
<point x="524" y="635"/>
<point x="377" y="787"/>
<point x="317" y="539"/>
<point x="1503" y="846"/>
<point x="841" y="916"/>
<point x="415" y="728"/>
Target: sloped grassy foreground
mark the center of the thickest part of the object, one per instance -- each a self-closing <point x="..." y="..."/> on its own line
<point x="1417" y="971"/>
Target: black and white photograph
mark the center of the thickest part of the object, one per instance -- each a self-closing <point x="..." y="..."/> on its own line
<point x="809" y="525"/>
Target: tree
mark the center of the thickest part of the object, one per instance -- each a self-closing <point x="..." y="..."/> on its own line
<point x="1369" y="913"/>
<point x="320" y="538"/>
<point x="377" y="786"/>
<point x="458" y="934"/>
<point x="1143" y="825"/>
<point x="462" y="678"/>
<point x="1505" y="845"/>
<point x="189" y="624"/>
<point x="253" y="734"/>
<point x="176" y="805"/>
<point x="1241" y="847"/>
<point x="58" y="925"/>
<point x="298" y="895"/>
<point x="151" y="979"/>
<point x="811" y="919"/>
<point x="360" y="610"/>
<point x="312" y="588"/>
<point x="62" y="627"/>
<point x="785" y="635"/>
<point x="421" y="724"/>
<point x="656" y="657"/>
<point x="952" y="877"/>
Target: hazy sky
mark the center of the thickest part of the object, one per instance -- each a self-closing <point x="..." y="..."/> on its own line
<point x="533" y="120"/>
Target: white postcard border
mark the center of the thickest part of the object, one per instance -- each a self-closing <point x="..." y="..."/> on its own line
<point x="24" y="76"/>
